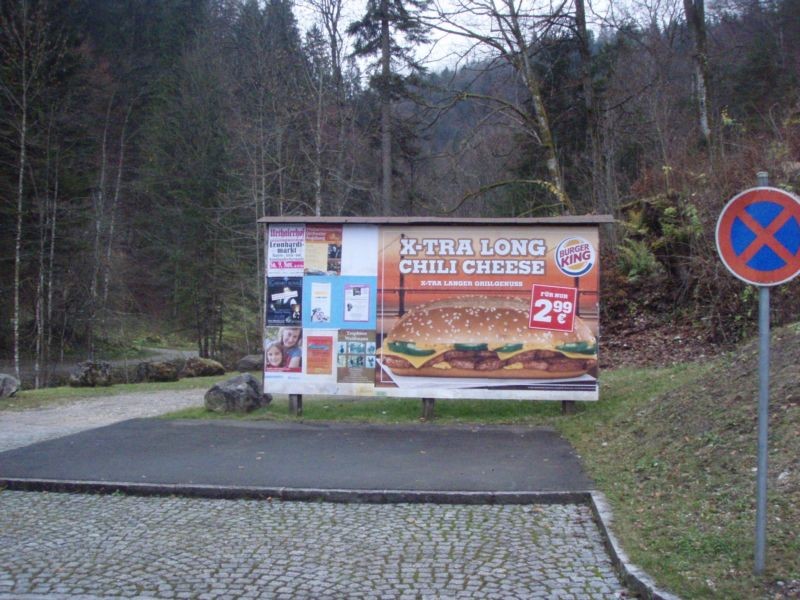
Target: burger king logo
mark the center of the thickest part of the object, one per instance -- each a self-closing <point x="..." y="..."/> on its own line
<point x="575" y="256"/>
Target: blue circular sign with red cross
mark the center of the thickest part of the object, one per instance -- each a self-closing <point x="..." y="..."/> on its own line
<point x="758" y="236"/>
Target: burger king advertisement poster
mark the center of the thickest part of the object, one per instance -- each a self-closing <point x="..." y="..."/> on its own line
<point x="504" y="311"/>
<point x="501" y="312"/>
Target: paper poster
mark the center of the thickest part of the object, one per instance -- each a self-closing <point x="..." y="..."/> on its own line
<point x="320" y="302"/>
<point x="284" y="300"/>
<point x="285" y="250"/>
<point x="319" y="354"/>
<point x="283" y="352"/>
<point x="356" y="302"/>
<point x="339" y="302"/>
<point x="359" y="250"/>
<point x="355" y="356"/>
<point x="485" y="312"/>
<point x="323" y="249"/>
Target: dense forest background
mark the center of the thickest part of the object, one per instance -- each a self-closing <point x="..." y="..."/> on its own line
<point x="140" y="140"/>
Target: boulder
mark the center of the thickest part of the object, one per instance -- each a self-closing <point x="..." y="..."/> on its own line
<point x="157" y="371"/>
<point x="202" y="367"/>
<point x="251" y="362"/>
<point x="91" y="374"/>
<point x="239" y="394"/>
<point x="8" y="385"/>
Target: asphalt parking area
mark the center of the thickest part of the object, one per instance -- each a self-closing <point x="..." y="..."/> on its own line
<point x="308" y="456"/>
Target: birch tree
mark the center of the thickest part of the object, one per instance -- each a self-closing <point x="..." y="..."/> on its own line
<point x="30" y="50"/>
<point x="695" y="12"/>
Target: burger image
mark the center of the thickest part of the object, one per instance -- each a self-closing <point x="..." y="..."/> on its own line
<point x="485" y="337"/>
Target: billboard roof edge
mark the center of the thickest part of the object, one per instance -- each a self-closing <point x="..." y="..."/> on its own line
<point x="566" y="220"/>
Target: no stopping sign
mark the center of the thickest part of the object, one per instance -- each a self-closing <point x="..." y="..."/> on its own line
<point x="758" y="236"/>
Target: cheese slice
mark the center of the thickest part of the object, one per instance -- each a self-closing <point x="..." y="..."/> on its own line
<point x="418" y="361"/>
<point x="439" y="349"/>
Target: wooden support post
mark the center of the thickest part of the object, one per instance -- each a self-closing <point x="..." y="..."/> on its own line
<point x="296" y="405"/>
<point x="427" y="408"/>
<point x="568" y="407"/>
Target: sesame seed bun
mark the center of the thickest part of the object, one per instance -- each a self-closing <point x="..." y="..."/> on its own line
<point x="486" y="320"/>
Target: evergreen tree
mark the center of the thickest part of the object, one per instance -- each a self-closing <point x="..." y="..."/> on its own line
<point x="389" y="30"/>
<point x="188" y="183"/>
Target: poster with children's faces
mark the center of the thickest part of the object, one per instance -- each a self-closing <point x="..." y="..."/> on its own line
<point x="283" y="350"/>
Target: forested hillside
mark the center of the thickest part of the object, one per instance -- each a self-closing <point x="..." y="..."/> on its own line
<point x="140" y="140"/>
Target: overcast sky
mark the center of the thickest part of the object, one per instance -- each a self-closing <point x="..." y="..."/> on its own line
<point x="444" y="50"/>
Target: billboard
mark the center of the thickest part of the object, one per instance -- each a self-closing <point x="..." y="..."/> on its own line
<point x="433" y="310"/>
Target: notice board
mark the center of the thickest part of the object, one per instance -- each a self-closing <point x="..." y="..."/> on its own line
<point x="434" y="308"/>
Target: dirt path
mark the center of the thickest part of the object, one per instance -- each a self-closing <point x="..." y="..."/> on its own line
<point x="21" y="428"/>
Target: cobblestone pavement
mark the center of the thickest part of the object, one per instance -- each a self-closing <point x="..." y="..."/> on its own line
<point x="23" y="427"/>
<point x="91" y="546"/>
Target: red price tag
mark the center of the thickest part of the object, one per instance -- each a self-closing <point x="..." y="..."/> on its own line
<point x="553" y="307"/>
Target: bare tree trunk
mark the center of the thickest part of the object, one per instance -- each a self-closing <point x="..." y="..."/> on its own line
<point x="46" y="228"/>
<point x="607" y="153"/>
<point x="50" y="261"/>
<point x="279" y="160"/>
<point x="113" y="210"/>
<point x="27" y="49"/>
<point x="259" y="262"/>
<point x="546" y="137"/>
<point x="318" y="151"/>
<point x="598" y="192"/>
<point x="98" y="200"/>
<point x="18" y="239"/>
<point x="220" y="321"/>
<point x="63" y="340"/>
<point x="246" y="328"/>
<point x="261" y="205"/>
<point x="198" y="319"/>
<point x="44" y="217"/>
<point x="540" y="112"/>
<point x="386" y="114"/>
<point x="330" y="12"/>
<point x="512" y="34"/>
<point x="39" y="311"/>
<point x="696" y="20"/>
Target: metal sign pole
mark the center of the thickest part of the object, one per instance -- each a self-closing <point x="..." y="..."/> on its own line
<point x="763" y="426"/>
<point x="758" y="240"/>
<point x="763" y="416"/>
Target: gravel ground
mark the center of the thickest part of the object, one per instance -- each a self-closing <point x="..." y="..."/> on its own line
<point x="21" y="428"/>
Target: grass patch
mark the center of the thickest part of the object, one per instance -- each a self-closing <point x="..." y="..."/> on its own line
<point x="395" y="411"/>
<point x="61" y="395"/>
<point x="110" y="351"/>
<point x="674" y="450"/>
